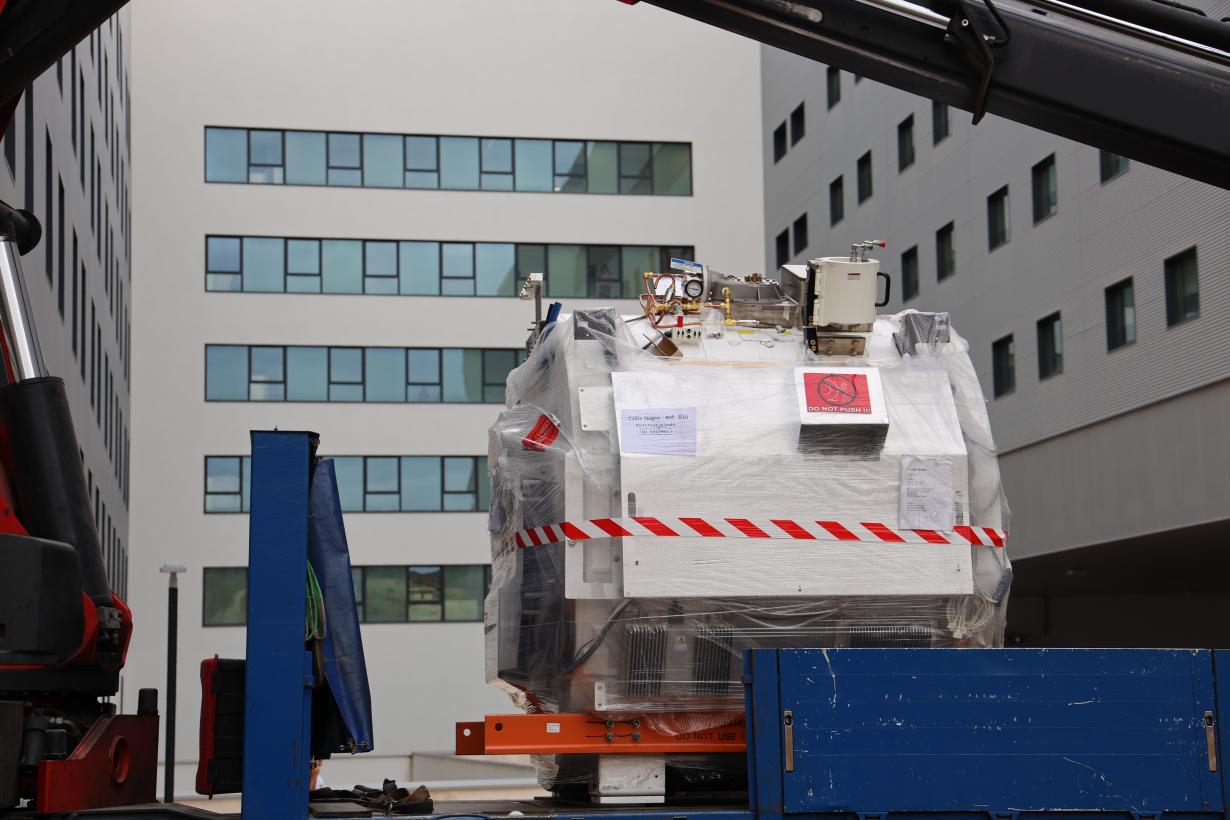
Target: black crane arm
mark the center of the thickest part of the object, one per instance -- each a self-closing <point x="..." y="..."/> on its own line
<point x="1143" y="78"/>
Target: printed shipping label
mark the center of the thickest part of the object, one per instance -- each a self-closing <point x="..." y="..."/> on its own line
<point x="687" y="266"/>
<point x="658" y="431"/>
<point x="837" y="393"/>
<point x="927" y="501"/>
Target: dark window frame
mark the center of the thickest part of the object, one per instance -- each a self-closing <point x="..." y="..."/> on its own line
<point x="780" y="143"/>
<point x="945" y="263"/>
<point x="1176" y="313"/>
<point x="798" y="124"/>
<point x="906" y="155"/>
<point x="1003" y="366"/>
<point x="648" y="176"/>
<point x="664" y="253"/>
<point x="799" y="239"/>
<point x="941" y="122"/>
<point x="909" y="259"/>
<point x="866" y="182"/>
<point x="837" y="196"/>
<point x="996" y="197"/>
<point x="485" y="381"/>
<point x="359" y="580"/>
<point x="1111" y="166"/>
<point x="1044" y="187"/>
<point x="1120" y="298"/>
<point x="1050" y="345"/>
<point x="478" y="466"/>
<point x="832" y="86"/>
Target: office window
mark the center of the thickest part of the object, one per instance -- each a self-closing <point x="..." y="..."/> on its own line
<point x="1046" y="198"/>
<point x="1003" y="366"/>
<point x="1050" y="346"/>
<point x="420" y="268"/>
<point x="945" y="253"/>
<point x="798" y="124"/>
<point x="228" y="480"/>
<point x="672" y="169"/>
<point x="225" y="598"/>
<point x="909" y="274"/>
<point x="635" y="168"/>
<point x="782" y="248"/>
<point x="465" y="163"/>
<point x="833" y="86"/>
<point x="800" y="234"/>
<point x="837" y="201"/>
<point x="383" y="162"/>
<point x="1111" y="165"/>
<point x="997" y="218"/>
<point x="1182" y="288"/>
<point x="425" y="593"/>
<point x="905" y="143"/>
<point x="464" y="591"/>
<point x="383" y="594"/>
<point x="496" y="166"/>
<point x="265" y="164"/>
<point x="356" y="374"/>
<point x="1120" y="315"/>
<point x="369" y="483"/>
<point x="602" y="165"/>
<point x="864" y="177"/>
<point x="226" y="155"/>
<point x="941" y="125"/>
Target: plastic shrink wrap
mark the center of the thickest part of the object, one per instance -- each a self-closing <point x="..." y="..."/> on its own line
<point x="663" y="498"/>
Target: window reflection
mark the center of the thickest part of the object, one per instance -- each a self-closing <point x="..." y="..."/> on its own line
<point x="276" y="157"/>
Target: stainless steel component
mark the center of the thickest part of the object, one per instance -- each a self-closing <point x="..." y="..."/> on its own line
<point x="840" y="345"/>
<point x="912" y="11"/>
<point x="858" y="250"/>
<point x="20" y="335"/>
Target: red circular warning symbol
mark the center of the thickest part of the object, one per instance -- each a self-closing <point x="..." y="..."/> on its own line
<point x="837" y="390"/>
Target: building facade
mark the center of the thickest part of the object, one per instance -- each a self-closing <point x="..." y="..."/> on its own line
<point x="336" y="205"/>
<point x="66" y="159"/>
<point x="1093" y="292"/>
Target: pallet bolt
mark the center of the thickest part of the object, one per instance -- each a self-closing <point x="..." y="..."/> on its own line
<point x="610" y="737"/>
<point x="610" y="724"/>
<point x="636" y="724"/>
<point x="636" y="736"/>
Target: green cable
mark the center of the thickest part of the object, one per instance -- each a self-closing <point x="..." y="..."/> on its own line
<point x="314" y="621"/>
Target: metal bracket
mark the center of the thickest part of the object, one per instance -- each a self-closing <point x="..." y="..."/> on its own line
<point x="1210" y="735"/>
<point x="788" y="739"/>
<point x="976" y="52"/>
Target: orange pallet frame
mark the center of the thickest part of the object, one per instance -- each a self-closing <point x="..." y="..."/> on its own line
<point x="579" y="733"/>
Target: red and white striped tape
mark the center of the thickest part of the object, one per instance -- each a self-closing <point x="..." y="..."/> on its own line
<point x="789" y="529"/>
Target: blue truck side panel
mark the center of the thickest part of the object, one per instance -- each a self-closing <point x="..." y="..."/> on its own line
<point x="277" y="708"/>
<point x="929" y="730"/>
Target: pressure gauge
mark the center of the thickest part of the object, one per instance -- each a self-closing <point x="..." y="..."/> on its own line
<point x="693" y="288"/>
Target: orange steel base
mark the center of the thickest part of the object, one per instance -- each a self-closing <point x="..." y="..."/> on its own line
<point x="588" y="734"/>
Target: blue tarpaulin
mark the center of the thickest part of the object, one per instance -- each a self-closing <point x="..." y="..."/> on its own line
<point x="345" y="667"/>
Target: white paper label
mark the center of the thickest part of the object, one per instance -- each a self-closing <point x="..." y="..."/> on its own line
<point x="658" y="431"/>
<point x="553" y="728"/>
<point x="926" y="494"/>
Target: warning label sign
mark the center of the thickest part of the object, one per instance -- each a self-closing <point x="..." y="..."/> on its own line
<point x="837" y="393"/>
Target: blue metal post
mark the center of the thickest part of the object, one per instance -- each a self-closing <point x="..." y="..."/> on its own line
<point x="277" y="711"/>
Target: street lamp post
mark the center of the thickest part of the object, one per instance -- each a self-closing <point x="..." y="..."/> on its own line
<point x="172" y="571"/>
